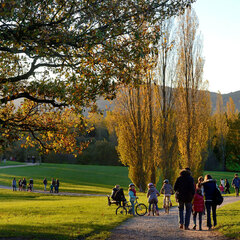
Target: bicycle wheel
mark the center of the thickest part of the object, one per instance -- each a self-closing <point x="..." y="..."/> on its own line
<point x="121" y="211"/>
<point x="141" y="209"/>
<point x="167" y="207"/>
<point x="153" y="209"/>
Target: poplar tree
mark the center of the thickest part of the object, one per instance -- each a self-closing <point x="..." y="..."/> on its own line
<point x="192" y="99"/>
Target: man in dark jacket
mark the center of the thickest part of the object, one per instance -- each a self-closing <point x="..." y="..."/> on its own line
<point x="118" y="195"/>
<point x="236" y="184"/>
<point x="184" y="188"/>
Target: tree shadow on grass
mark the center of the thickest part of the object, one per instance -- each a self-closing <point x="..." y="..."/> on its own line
<point x="59" y="232"/>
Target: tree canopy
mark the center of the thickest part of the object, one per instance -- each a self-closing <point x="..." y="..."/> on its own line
<point x="59" y="54"/>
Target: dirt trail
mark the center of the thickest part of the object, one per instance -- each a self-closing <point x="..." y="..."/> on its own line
<point x="164" y="227"/>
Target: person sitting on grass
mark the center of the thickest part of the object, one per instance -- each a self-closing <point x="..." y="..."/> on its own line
<point x="198" y="208"/>
<point x="167" y="190"/>
<point x="132" y="197"/>
<point x="152" y="197"/>
<point x="118" y="195"/>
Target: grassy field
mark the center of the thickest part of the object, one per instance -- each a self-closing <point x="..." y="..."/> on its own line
<point x="38" y="216"/>
<point x="228" y="220"/>
<point x="81" y="178"/>
<point x="73" y="178"/>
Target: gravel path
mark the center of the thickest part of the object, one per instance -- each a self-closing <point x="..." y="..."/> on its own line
<point x="164" y="227"/>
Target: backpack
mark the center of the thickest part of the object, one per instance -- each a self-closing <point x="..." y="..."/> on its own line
<point x="217" y="197"/>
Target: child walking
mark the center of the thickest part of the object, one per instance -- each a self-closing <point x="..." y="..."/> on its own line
<point x="198" y="208"/>
<point x="132" y="196"/>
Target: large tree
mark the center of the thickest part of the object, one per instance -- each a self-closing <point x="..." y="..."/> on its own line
<point x="63" y="53"/>
<point x="193" y="101"/>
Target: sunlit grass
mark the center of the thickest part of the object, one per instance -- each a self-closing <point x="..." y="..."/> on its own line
<point x="228" y="218"/>
<point x="41" y="216"/>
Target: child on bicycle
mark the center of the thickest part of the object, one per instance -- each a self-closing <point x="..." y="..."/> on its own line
<point x="152" y="197"/>
<point x="132" y="196"/>
<point x="167" y="190"/>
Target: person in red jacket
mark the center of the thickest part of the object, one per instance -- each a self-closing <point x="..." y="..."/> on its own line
<point x="198" y="208"/>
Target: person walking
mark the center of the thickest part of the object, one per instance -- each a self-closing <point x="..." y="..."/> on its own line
<point x="198" y="208"/>
<point x="185" y="189"/>
<point x="31" y="184"/>
<point x="227" y="186"/>
<point x="20" y="185"/>
<point x="45" y="184"/>
<point x="57" y="186"/>
<point x="209" y="188"/>
<point x="236" y="184"/>
<point x="53" y="183"/>
<point x="24" y="184"/>
<point x="14" y="184"/>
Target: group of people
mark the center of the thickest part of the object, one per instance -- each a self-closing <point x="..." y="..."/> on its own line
<point x="23" y="186"/>
<point x="193" y="198"/>
<point x="54" y="187"/>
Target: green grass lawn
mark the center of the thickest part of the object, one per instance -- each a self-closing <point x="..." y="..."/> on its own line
<point x="228" y="218"/>
<point x="73" y="178"/>
<point x="39" y="216"/>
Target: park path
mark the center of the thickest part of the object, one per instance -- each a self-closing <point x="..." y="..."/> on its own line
<point x="25" y="165"/>
<point x="164" y="227"/>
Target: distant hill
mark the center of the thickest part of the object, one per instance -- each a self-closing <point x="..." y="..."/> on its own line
<point x="234" y="95"/>
<point x="106" y="105"/>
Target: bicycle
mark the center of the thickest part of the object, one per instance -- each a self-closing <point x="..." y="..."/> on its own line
<point x="154" y="209"/>
<point x="167" y="204"/>
<point x="140" y="209"/>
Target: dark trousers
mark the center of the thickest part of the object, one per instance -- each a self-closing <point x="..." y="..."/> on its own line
<point x="227" y="190"/>
<point x="186" y="220"/>
<point x="199" y="217"/>
<point x="237" y="191"/>
<point x="210" y="207"/>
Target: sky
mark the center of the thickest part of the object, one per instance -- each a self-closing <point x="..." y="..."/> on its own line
<point x="219" y="23"/>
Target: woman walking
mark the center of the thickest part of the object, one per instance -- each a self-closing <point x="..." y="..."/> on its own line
<point x="209" y="188"/>
<point x="14" y="184"/>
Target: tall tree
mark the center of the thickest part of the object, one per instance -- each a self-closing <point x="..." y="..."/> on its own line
<point x="222" y="128"/>
<point x="193" y="102"/>
<point x="166" y="80"/>
<point x="64" y="53"/>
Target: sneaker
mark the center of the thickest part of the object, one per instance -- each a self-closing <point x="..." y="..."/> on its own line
<point x="186" y="228"/>
<point x="194" y="227"/>
<point x="181" y="226"/>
